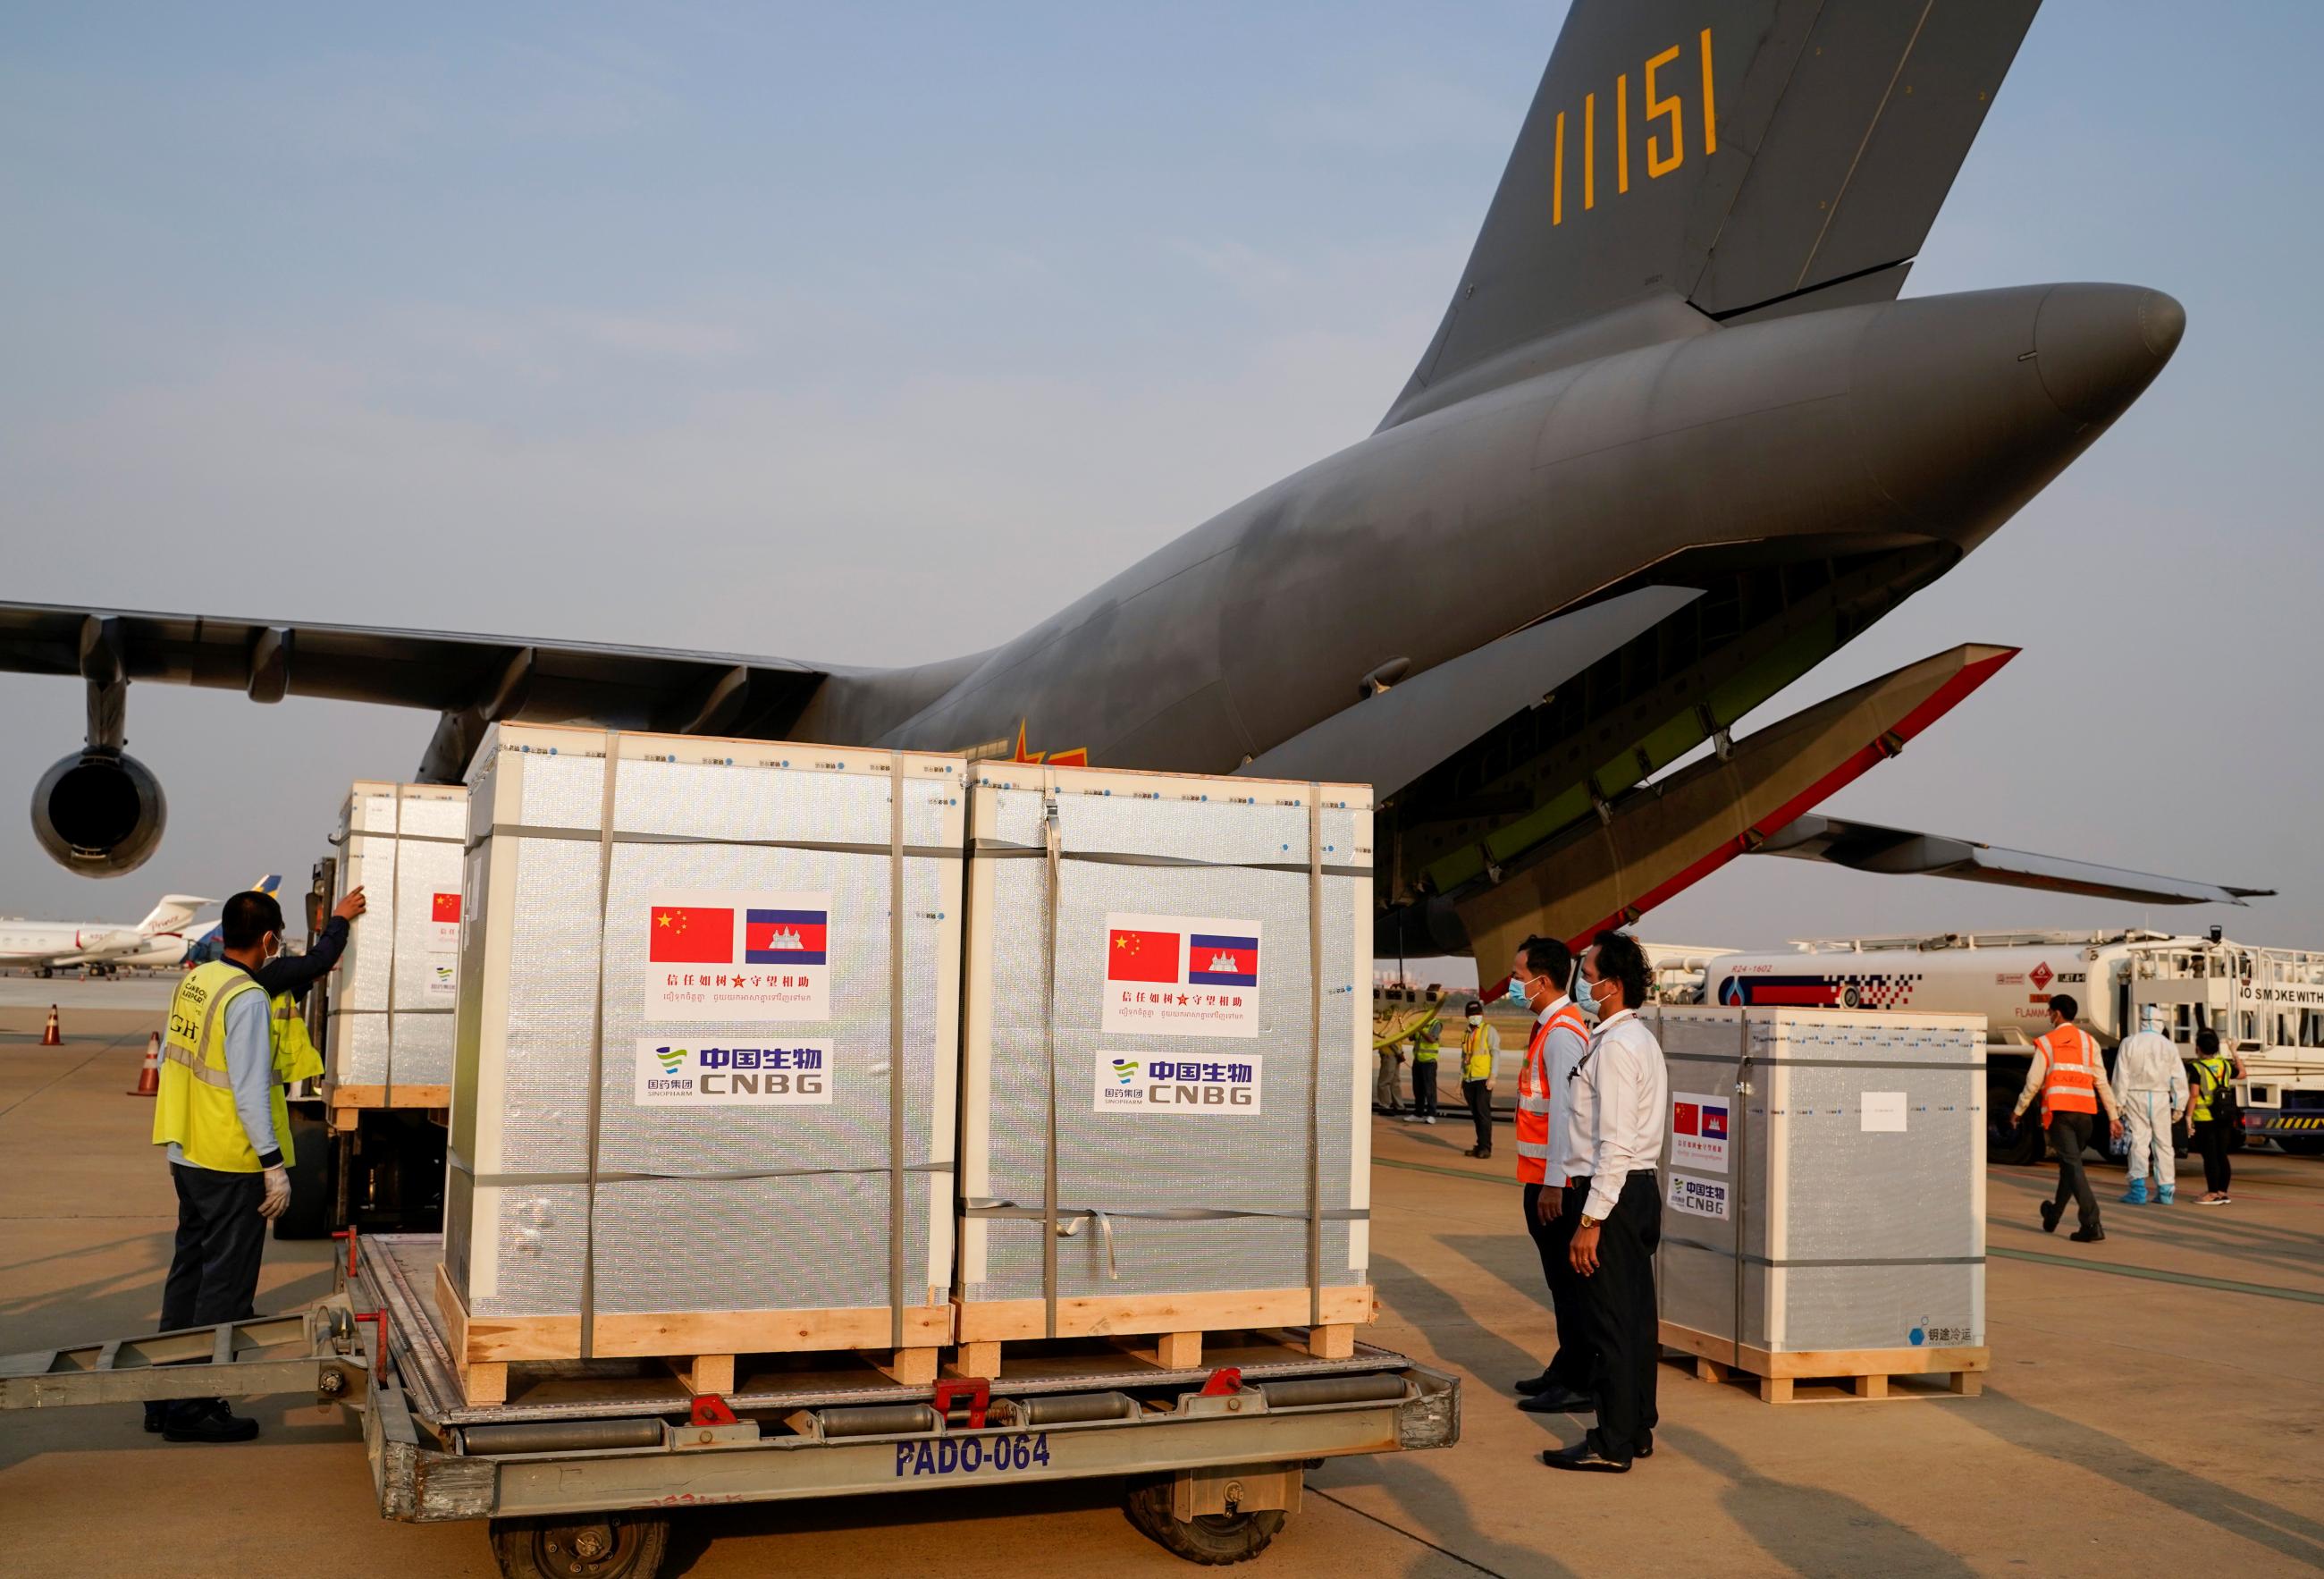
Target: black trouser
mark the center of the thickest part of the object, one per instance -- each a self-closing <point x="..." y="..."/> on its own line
<point x="214" y="1269"/>
<point x="2212" y="1140"/>
<point x="1571" y="1367"/>
<point x="1478" y="1095"/>
<point x="1423" y="1087"/>
<point x="1623" y="1321"/>
<point x="2070" y="1134"/>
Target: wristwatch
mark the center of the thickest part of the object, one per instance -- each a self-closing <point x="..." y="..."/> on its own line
<point x="1590" y="1222"/>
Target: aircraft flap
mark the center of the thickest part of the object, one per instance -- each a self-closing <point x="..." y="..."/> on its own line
<point x="1390" y="739"/>
<point x="1892" y="852"/>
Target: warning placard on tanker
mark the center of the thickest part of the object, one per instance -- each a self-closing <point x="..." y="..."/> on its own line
<point x="1142" y="1082"/>
<point x="1181" y="975"/>
<point x="717" y="955"/>
<point x="1697" y="1131"/>
<point x="720" y="1074"/>
<point x="1699" y="1198"/>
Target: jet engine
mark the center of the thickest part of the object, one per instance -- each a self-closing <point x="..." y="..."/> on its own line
<point x="99" y="812"/>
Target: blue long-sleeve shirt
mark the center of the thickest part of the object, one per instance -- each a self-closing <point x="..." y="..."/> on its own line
<point x="249" y="1070"/>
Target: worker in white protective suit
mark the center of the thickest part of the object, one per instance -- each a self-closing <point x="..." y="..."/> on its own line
<point x="2150" y="1087"/>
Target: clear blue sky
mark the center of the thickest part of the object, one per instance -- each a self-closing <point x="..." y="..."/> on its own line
<point x="872" y="334"/>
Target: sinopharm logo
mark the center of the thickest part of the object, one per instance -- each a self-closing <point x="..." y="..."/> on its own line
<point x="671" y="1058"/>
<point x="1125" y="1070"/>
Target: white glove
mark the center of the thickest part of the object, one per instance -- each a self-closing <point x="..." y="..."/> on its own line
<point x="278" y="1194"/>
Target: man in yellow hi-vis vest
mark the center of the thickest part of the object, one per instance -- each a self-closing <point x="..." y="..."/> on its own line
<point x="220" y="1111"/>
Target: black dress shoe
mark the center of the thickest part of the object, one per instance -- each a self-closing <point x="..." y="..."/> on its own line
<point x="1559" y="1400"/>
<point x="1534" y="1384"/>
<point x="1584" y="1456"/>
<point x="2089" y="1236"/>
<point x="1646" y="1449"/>
<point x="218" y="1425"/>
<point x="2051" y="1213"/>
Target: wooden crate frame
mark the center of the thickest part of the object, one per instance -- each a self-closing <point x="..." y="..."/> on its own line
<point x="699" y="1345"/>
<point x="1868" y="1371"/>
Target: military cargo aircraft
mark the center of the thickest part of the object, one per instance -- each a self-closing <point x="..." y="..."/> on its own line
<point x="1676" y="441"/>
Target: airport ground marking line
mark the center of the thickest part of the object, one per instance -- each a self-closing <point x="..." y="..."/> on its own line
<point x="2152" y="1274"/>
<point x="1408" y="1535"/>
<point x="2157" y="1275"/>
<point x="77" y="1068"/>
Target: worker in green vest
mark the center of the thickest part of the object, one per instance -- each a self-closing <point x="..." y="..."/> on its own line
<point x="220" y="1112"/>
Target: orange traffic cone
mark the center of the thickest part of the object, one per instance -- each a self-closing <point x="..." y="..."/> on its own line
<point x="51" y="1036"/>
<point x="149" y="1078"/>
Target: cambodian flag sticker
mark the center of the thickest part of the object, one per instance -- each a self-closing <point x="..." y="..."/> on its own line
<point x="1222" y="962"/>
<point x="792" y="937"/>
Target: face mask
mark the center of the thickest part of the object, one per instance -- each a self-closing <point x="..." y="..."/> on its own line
<point x="1476" y="1020"/>
<point x="1517" y="987"/>
<point x="1597" y="991"/>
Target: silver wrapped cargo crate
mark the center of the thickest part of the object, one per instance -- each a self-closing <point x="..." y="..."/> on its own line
<point x="1166" y="1124"/>
<point x="1845" y="1150"/>
<point x="388" y="1042"/>
<point x="708" y="1036"/>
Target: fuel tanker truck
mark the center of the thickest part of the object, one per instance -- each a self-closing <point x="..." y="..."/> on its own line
<point x="2266" y="1004"/>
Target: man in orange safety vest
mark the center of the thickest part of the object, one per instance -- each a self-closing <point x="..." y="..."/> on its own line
<point x="2069" y="1075"/>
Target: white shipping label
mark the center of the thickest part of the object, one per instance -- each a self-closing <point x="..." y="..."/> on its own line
<point x="1697" y="1131"/>
<point x="718" y="954"/>
<point x="444" y="922"/>
<point x="1181" y="975"/>
<point x="1699" y="1198"/>
<point x="1139" y="1083"/>
<point x="795" y="1072"/>
<point x="1884" y="1113"/>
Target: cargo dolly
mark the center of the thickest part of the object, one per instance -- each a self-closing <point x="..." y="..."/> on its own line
<point x="577" y="1475"/>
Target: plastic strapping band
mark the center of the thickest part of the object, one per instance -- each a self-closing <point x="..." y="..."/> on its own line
<point x="394" y="903"/>
<point x="1902" y="1260"/>
<point x="460" y="1163"/>
<point x="518" y="830"/>
<point x="1742" y="1162"/>
<point x="992" y="849"/>
<point x="597" y="1048"/>
<point x="1049" y="1061"/>
<point x="1314" y="1052"/>
<point x="896" y="1235"/>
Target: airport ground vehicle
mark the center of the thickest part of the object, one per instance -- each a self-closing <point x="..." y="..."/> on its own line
<point x="2266" y="1004"/>
<point x="578" y="1476"/>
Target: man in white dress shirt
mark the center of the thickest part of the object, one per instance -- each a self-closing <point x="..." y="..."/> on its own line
<point x="1620" y="1094"/>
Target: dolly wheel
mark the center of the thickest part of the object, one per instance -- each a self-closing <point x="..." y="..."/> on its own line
<point x="1213" y="1539"/>
<point x="611" y="1545"/>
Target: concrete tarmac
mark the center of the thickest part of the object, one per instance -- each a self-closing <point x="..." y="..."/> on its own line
<point x="2155" y="1404"/>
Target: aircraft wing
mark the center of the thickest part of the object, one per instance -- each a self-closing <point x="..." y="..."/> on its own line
<point x="471" y="681"/>
<point x="1864" y="846"/>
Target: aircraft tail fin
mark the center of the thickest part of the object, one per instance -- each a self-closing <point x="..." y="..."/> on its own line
<point x="173" y="912"/>
<point x="1727" y="156"/>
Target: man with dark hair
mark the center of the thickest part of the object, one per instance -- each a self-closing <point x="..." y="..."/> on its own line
<point x="1481" y="1049"/>
<point x="1545" y="1158"/>
<point x="220" y="1111"/>
<point x="2070" y="1077"/>
<point x="1620" y="1094"/>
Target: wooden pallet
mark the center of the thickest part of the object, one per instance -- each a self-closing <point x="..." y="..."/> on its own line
<point x="1833" y="1375"/>
<point x="1163" y="1329"/>
<point x="699" y="1346"/>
